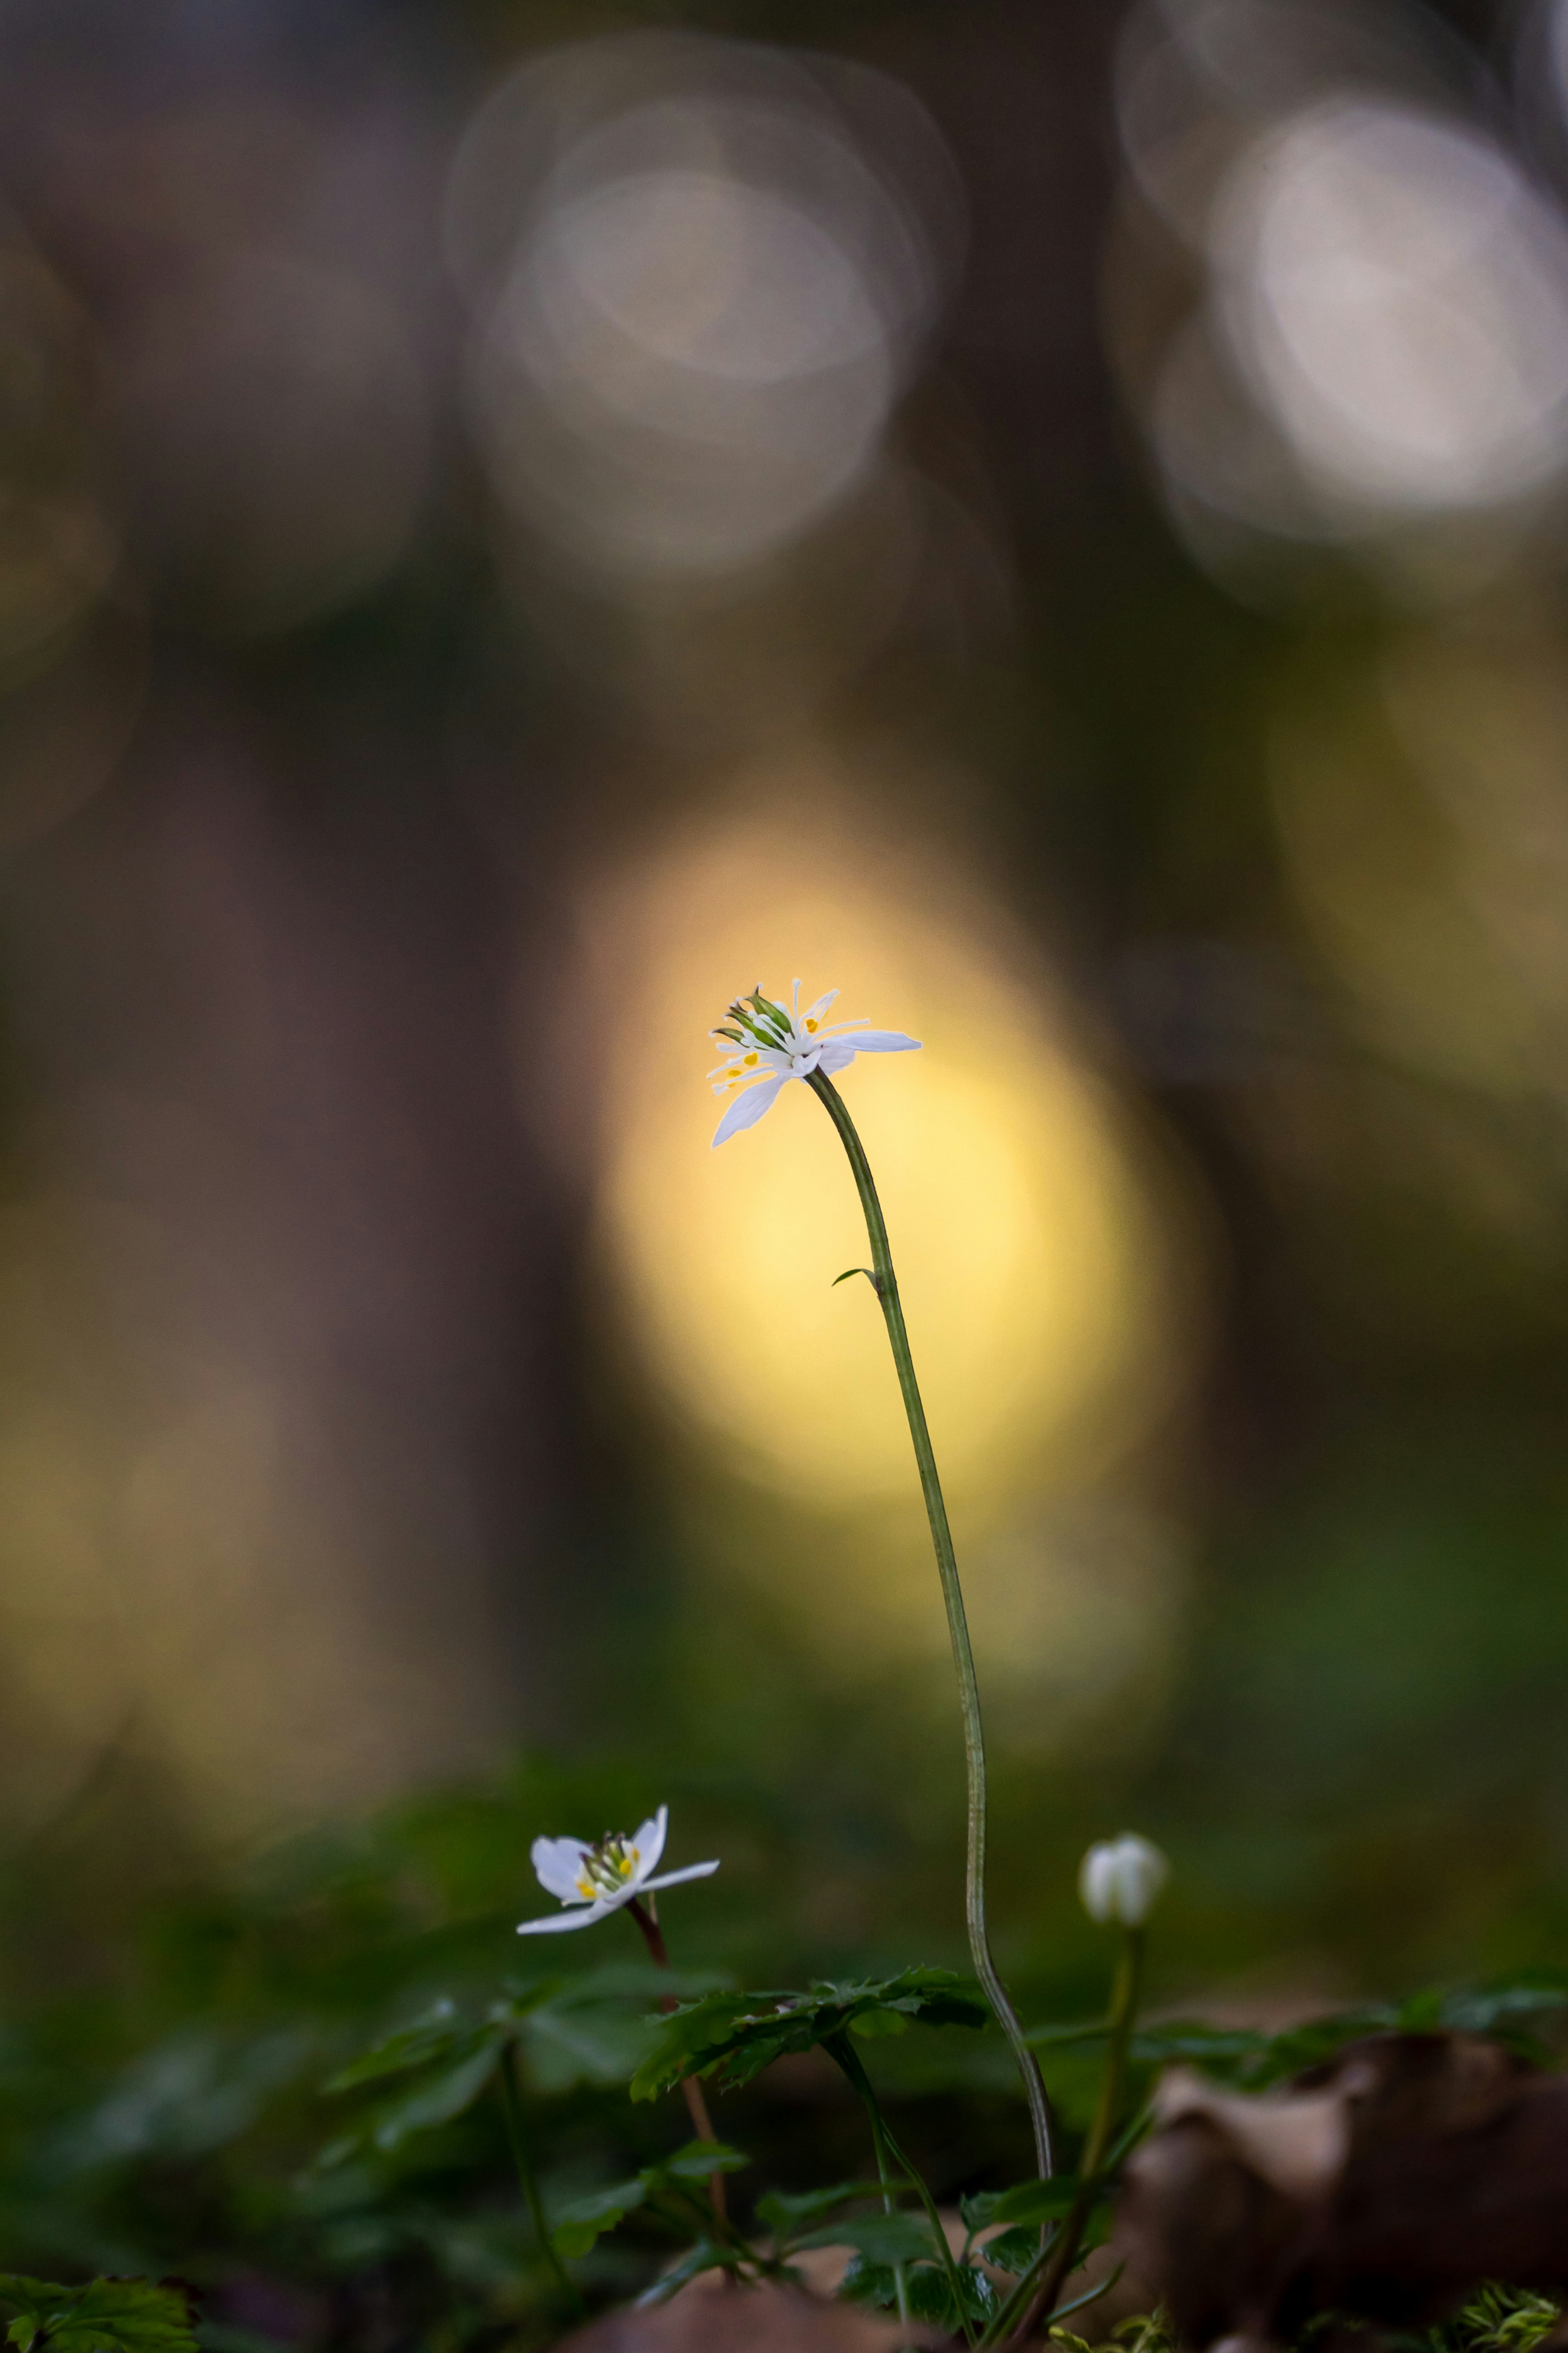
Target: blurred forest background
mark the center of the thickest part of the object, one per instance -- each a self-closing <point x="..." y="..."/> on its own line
<point x="521" y="520"/>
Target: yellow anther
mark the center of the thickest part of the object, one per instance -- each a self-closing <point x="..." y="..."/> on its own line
<point x="751" y="1058"/>
<point x="811" y="1025"/>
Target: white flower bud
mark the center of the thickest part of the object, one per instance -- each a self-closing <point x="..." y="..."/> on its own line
<point x="1121" y="1879"/>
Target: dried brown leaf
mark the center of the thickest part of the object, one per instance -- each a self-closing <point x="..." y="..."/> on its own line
<point x="1388" y="2183"/>
<point x="713" y="2316"/>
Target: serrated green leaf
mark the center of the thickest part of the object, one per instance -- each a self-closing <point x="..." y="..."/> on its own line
<point x="105" y="2315"/>
<point x="872" y="2024"/>
<point x="870" y="2284"/>
<point x="880" y="2238"/>
<point x="928" y="2288"/>
<point x="1011" y="2250"/>
<point x="578" y="2226"/>
<point x="931" y="2294"/>
<point x="734" y="2036"/>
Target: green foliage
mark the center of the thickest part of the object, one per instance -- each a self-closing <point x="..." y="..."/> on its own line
<point x="732" y="2037"/>
<point x="1513" y="2008"/>
<point x="570" y="2031"/>
<point x="1028" y="2202"/>
<point x="1012" y="2251"/>
<point x="583" y="2221"/>
<point x="786" y="2212"/>
<point x="1497" y="2320"/>
<point x="1144" y="2332"/>
<point x="949" y="2295"/>
<point x="880" y="2238"/>
<point x="105" y="2315"/>
<point x="161" y="2112"/>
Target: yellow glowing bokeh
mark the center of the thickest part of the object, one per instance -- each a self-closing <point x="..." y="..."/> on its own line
<point x="1032" y="1270"/>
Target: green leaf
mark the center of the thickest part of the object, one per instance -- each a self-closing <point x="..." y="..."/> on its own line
<point x="880" y="2238"/>
<point x="1497" y="2007"/>
<point x="1157" y="2046"/>
<point x="107" y="2316"/>
<point x="436" y="2101"/>
<point x="928" y="2288"/>
<point x="703" y="2257"/>
<point x="931" y="2295"/>
<point x="1012" y="2251"/>
<point x="734" y="2036"/>
<point x="867" y="2284"/>
<point x="697" y="2160"/>
<point x="783" y="2211"/>
<point x="570" y="2044"/>
<point x="874" y="2023"/>
<point x="1202" y="2046"/>
<point x="1035" y="2201"/>
<point x="434" y="2036"/>
<point x="595" y="2029"/>
<point x="1043" y="2037"/>
<point x="580" y="2225"/>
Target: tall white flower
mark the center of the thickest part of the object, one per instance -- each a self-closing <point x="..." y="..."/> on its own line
<point x="766" y="1045"/>
<point x="591" y="1882"/>
<point x="1123" y="1879"/>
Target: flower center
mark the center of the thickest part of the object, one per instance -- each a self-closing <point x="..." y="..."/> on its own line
<point x="607" y="1866"/>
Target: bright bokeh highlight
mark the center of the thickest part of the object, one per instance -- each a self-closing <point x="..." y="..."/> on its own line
<point x="1028" y="1252"/>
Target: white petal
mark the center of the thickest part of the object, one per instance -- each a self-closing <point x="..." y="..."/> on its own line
<point x="557" y="1921"/>
<point x="1121" y="1879"/>
<point x="649" y="1844"/>
<point x="674" y="1878"/>
<point x="882" y="1041"/>
<point x="836" y="1055"/>
<point x="558" y="1866"/>
<point x="747" y="1109"/>
<point x="1142" y="1871"/>
<point x="1097" y="1882"/>
<point x="815" y="1012"/>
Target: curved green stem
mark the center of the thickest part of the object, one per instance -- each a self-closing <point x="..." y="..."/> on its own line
<point x="886" y="1283"/>
<point x="1064" y="2248"/>
<point x="528" y="2180"/>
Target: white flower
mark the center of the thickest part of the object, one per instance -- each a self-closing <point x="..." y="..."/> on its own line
<point x="765" y="1045"/>
<point x="1121" y="1879"/>
<point x="591" y="1882"/>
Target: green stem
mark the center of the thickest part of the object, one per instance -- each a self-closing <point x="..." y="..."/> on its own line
<point x="1123" y="2016"/>
<point x="841" y="2048"/>
<point x="528" y="2180"/>
<point x="863" y="2085"/>
<point x="886" y="1283"/>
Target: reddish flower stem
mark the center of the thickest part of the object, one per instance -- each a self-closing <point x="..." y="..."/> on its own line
<point x="701" y="2123"/>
